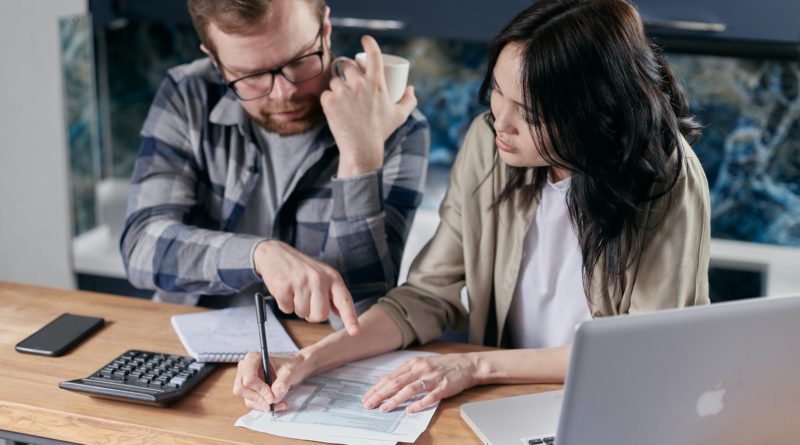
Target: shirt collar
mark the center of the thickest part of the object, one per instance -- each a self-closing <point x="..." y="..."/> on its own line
<point x="562" y="185"/>
<point x="228" y="111"/>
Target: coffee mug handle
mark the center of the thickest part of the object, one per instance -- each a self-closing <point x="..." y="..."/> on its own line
<point x="337" y="69"/>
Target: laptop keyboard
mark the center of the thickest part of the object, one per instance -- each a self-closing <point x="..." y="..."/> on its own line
<point x="543" y="441"/>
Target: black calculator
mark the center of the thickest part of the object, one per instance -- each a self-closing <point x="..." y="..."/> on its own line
<point x="144" y="377"/>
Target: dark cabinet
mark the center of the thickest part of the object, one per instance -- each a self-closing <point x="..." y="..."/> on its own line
<point x="744" y="28"/>
<point x="751" y="20"/>
<point x="475" y="20"/>
<point x="768" y="21"/>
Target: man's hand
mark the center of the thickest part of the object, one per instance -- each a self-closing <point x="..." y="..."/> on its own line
<point x="360" y="114"/>
<point x="305" y="286"/>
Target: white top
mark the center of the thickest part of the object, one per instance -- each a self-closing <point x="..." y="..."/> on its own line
<point x="549" y="299"/>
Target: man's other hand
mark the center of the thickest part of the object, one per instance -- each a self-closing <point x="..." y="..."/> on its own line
<point x="360" y="114"/>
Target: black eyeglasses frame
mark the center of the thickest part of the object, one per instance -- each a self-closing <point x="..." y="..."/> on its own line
<point x="279" y="70"/>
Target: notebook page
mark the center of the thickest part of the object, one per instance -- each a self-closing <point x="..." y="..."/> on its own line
<point x="228" y="334"/>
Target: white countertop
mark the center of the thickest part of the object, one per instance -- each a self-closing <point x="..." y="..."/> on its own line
<point x="96" y="253"/>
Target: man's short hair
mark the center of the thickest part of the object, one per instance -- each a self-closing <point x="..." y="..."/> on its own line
<point x="234" y="16"/>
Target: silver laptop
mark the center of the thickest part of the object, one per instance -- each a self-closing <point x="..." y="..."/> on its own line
<point x="728" y="374"/>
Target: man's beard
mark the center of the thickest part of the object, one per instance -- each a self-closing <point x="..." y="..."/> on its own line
<point x="312" y="117"/>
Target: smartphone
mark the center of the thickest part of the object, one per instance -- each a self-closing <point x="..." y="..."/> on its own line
<point x="60" y="335"/>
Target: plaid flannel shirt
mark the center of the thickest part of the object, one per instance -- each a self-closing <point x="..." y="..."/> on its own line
<point x="197" y="167"/>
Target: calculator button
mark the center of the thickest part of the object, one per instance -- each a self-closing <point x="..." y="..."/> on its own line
<point x="197" y="366"/>
<point x="177" y="381"/>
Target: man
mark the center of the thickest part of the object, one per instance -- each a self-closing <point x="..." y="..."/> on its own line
<point x="257" y="168"/>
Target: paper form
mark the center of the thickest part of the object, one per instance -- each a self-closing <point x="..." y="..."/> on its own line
<point x="328" y="408"/>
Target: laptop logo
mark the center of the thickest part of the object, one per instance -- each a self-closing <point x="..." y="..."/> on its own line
<point x="711" y="402"/>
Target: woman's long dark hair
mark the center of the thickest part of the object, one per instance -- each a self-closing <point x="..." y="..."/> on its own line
<point x="606" y="107"/>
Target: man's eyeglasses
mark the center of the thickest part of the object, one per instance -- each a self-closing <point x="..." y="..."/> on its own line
<point x="257" y="85"/>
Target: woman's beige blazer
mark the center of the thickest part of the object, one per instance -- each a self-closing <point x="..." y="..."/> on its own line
<point x="481" y="248"/>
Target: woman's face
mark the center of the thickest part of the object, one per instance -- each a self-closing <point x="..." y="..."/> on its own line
<point x="514" y="140"/>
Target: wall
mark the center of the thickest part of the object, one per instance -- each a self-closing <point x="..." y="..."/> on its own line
<point x="35" y="228"/>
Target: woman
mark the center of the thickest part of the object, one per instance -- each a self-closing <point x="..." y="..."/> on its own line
<point x="577" y="196"/>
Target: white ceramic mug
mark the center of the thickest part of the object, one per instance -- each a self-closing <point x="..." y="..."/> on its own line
<point x="395" y="70"/>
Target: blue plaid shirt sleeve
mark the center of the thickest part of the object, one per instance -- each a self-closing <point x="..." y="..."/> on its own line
<point x="159" y="249"/>
<point x="372" y="214"/>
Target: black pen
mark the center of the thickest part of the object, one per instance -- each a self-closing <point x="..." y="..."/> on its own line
<point x="261" y="313"/>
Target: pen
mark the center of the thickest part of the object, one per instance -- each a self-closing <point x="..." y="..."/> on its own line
<point x="262" y="336"/>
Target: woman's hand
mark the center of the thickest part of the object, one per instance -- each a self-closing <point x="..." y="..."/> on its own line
<point x="443" y="376"/>
<point x="287" y="372"/>
<point x="380" y="335"/>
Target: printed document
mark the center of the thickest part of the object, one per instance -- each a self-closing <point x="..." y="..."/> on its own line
<point x="328" y="407"/>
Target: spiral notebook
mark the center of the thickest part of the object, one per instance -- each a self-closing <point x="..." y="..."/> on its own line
<point x="226" y="335"/>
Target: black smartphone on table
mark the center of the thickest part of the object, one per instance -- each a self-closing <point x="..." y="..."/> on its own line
<point x="60" y="335"/>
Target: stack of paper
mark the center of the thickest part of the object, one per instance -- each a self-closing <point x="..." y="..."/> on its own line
<point x="328" y="408"/>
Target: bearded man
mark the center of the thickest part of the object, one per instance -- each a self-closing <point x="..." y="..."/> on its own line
<point x="259" y="169"/>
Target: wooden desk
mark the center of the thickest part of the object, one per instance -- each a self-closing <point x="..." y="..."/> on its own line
<point x="32" y="404"/>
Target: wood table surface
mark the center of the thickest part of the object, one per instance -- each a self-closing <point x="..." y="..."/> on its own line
<point x="31" y="402"/>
